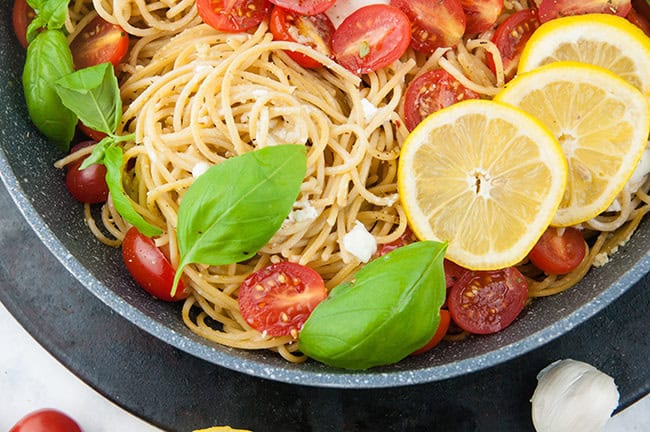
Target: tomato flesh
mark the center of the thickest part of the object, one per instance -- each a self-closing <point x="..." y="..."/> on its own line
<point x="99" y="42"/>
<point x="314" y="31"/>
<point x="481" y="15"/>
<point x="430" y="92"/>
<point x="440" y="333"/>
<point x="278" y="299"/>
<point x="46" y="420"/>
<point x="511" y="37"/>
<point x="403" y="240"/>
<point x="86" y="185"/>
<point x="639" y="15"/>
<point x="550" y="9"/>
<point x="485" y="302"/>
<point x="233" y="15"/>
<point x="22" y="15"/>
<point x="305" y="7"/>
<point x="150" y="267"/>
<point x="371" y="38"/>
<point x="559" y="250"/>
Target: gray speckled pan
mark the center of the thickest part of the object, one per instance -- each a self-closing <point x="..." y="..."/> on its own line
<point x="39" y="192"/>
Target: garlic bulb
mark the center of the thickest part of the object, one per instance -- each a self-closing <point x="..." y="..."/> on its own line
<point x="572" y="396"/>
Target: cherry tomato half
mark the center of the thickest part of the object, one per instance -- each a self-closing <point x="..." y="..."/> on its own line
<point x="89" y="184"/>
<point x="559" y="250"/>
<point x="511" y="37"/>
<point x="315" y="31"/>
<point x="371" y="37"/>
<point x="639" y="15"/>
<point x="150" y="267"/>
<point x="480" y="15"/>
<point x="550" y="9"/>
<point x="305" y="7"/>
<point x="99" y="42"/>
<point x="484" y="302"/>
<point x="440" y="333"/>
<point x="233" y="15"/>
<point x="46" y="420"/>
<point x="430" y="92"/>
<point x="21" y="17"/>
<point x="403" y="240"/>
<point x="279" y="298"/>
<point x="435" y="23"/>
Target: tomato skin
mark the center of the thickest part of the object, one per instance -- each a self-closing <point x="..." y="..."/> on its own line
<point x="22" y="15"/>
<point x="46" y="420"/>
<point x="150" y="267"/>
<point x="233" y="15"/>
<point x="435" y="23"/>
<point x="89" y="184"/>
<point x="279" y="298"/>
<point x="511" y="37"/>
<point x="371" y="38"/>
<point x="403" y="240"/>
<point x="559" y="251"/>
<point x="99" y="42"/>
<point x="90" y="133"/>
<point x="550" y="9"/>
<point x="481" y="15"/>
<point x="484" y="302"/>
<point x="315" y="31"/>
<point x="453" y="272"/>
<point x="639" y="15"/>
<point x="430" y="92"/>
<point x="305" y="7"/>
<point x="440" y="333"/>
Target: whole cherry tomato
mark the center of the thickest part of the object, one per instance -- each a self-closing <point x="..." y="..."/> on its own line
<point x="46" y="420"/>
<point x="86" y="185"/>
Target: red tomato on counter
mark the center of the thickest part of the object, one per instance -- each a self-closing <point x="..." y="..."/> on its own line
<point x="46" y="420"/>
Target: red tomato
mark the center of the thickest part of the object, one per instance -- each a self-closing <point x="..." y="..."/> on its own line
<point x="233" y="15"/>
<point x="315" y="31"/>
<point x="305" y="7"/>
<point x="440" y="333"/>
<point x="639" y="15"/>
<point x="510" y="38"/>
<point x="89" y="184"/>
<point x="559" y="250"/>
<point x="91" y="133"/>
<point x="402" y="240"/>
<point x="371" y="37"/>
<point x="480" y="15"/>
<point x="279" y="298"/>
<point x="99" y="42"/>
<point x="453" y="272"/>
<point x="430" y="92"/>
<point x="434" y="23"/>
<point x="46" y="420"/>
<point x="150" y="267"/>
<point x="22" y="16"/>
<point x="486" y="302"/>
<point x="550" y="9"/>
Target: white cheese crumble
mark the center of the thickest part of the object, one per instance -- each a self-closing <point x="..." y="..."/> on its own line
<point x="360" y="243"/>
<point x="303" y="211"/>
<point x="200" y="168"/>
<point x="369" y="109"/>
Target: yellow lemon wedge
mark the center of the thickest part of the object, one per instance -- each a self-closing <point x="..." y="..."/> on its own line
<point x="601" y="122"/>
<point x="608" y="41"/>
<point x="483" y="176"/>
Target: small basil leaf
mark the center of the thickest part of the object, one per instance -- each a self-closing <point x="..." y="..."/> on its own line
<point x="391" y="309"/>
<point x="235" y="207"/>
<point x="50" y="14"/>
<point x="97" y="155"/>
<point x="94" y="95"/>
<point x="48" y="59"/>
<point x="113" y="163"/>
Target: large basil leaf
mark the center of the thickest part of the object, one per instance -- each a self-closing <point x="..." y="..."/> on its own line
<point x="390" y="309"/>
<point x="235" y="207"/>
<point x="48" y="59"/>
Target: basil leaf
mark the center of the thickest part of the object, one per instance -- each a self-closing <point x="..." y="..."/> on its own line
<point x="235" y="207"/>
<point x="50" y="14"/>
<point x="97" y="155"/>
<point x="113" y="162"/>
<point x="94" y="95"/>
<point x="391" y="309"/>
<point x="48" y="59"/>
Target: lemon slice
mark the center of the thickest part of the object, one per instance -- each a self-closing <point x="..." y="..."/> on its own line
<point x="600" y="121"/>
<point x="608" y="41"/>
<point x="484" y="176"/>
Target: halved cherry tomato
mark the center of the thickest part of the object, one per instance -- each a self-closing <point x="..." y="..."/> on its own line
<point x="639" y="15"/>
<point x="484" y="302"/>
<point x="453" y="272"/>
<point x="21" y="17"/>
<point x="440" y="333"/>
<point x="233" y="15"/>
<point x="510" y="38"/>
<point x="305" y="7"/>
<point x="90" y="133"/>
<point x="315" y="31"/>
<point x="371" y="37"/>
<point x="403" y="240"/>
<point x="99" y="42"/>
<point x="435" y="23"/>
<point x="430" y="92"/>
<point x="480" y="15"/>
<point x="89" y="184"/>
<point x="550" y="9"/>
<point x="46" y="420"/>
<point x="150" y="267"/>
<point x="279" y="298"/>
<point x="559" y="250"/>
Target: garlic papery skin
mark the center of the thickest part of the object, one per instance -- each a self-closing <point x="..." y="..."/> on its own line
<point x="573" y="396"/>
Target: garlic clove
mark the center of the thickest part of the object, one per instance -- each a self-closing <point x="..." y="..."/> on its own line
<point x="573" y="396"/>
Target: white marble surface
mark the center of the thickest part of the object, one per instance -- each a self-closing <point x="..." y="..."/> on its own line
<point x="30" y="379"/>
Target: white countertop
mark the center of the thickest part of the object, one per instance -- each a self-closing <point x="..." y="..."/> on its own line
<point x="30" y="379"/>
